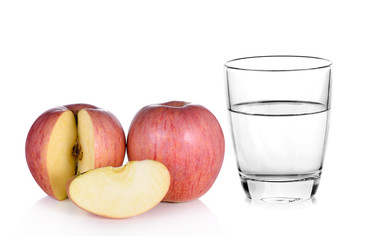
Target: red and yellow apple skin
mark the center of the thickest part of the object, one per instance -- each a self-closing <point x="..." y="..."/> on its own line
<point x="53" y="139"/>
<point x="110" y="140"/>
<point x="186" y="138"/>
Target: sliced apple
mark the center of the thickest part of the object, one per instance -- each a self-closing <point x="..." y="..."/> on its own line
<point x="60" y="144"/>
<point x="120" y="192"/>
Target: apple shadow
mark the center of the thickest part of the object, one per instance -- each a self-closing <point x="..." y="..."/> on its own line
<point x="51" y="217"/>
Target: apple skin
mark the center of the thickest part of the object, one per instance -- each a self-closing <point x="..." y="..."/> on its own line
<point x="110" y="141"/>
<point x="75" y="108"/>
<point x="36" y="147"/>
<point x="186" y="138"/>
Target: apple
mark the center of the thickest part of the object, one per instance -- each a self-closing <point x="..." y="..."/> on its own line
<point x="71" y="139"/>
<point x="120" y="192"/>
<point x="186" y="138"/>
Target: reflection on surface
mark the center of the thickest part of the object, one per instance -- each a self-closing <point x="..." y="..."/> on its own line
<point x="283" y="206"/>
<point x="50" y="217"/>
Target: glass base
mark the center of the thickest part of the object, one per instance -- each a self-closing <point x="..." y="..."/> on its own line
<point x="280" y="191"/>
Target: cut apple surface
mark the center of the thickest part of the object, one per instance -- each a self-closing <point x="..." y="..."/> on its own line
<point x="60" y="161"/>
<point x="120" y="192"/>
<point x="71" y="139"/>
<point x="85" y="159"/>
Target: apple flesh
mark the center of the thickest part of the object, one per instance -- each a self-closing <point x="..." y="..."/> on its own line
<point x="186" y="138"/>
<point x="120" y="192"/>
<point x="57" y="141"/>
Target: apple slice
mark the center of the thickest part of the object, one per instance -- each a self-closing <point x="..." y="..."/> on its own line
<point x="120" y="192"/>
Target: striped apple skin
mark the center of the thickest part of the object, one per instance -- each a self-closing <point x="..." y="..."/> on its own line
<point x="186" y="138"/>
<point x="109" y="137"/>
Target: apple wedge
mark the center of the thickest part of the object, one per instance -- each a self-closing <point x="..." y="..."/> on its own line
<point x="49" y="151"/>
<point x="120" y="192"/>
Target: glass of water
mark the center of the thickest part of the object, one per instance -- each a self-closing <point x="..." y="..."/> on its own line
<point x="279" y="111"/>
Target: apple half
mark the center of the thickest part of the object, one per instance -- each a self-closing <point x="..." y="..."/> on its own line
<point x="120" y="192"/>
<point x="72" y="139"/>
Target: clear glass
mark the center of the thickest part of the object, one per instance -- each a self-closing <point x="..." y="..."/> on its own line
<point x="279" y="111"/>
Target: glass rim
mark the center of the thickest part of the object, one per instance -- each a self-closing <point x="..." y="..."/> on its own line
<point x="326" y="63"/>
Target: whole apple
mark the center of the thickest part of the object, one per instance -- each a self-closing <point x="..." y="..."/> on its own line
<point x="71" y="139"/>
<point x="186" y="138"/>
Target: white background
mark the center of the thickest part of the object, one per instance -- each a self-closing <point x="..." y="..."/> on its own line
<point x="123" y="55"/>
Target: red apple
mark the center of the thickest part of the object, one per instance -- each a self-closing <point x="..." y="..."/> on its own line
<point x="186" y="138"/>
<point x="71" y="139"/>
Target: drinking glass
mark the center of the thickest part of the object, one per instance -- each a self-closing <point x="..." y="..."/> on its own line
<point x="279" y="112"/>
